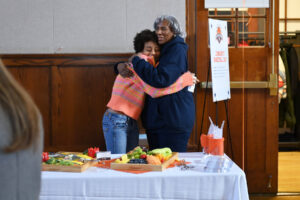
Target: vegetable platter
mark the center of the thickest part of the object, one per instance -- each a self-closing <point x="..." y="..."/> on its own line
<point x="67" y="162"/>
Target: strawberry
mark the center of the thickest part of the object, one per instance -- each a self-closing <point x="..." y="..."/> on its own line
<point x="92" y="151"/>
<point x="45" y="156"/>
<point x="143" y="156"/>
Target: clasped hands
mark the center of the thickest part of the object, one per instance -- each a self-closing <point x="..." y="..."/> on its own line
<point x="123" y="67"/>
<point x="127" y="73"/>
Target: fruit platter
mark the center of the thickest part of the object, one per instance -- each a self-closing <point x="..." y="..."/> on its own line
<point x="142" y="160"/>
<point x="67" y="161"/>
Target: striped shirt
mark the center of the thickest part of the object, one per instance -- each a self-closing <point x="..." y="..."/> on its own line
<point x="128" y="94"/>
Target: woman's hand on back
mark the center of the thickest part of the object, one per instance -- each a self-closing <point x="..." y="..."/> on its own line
<point x="124" y="71"/>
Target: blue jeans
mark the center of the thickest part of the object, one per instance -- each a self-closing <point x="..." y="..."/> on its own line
<point x="121" y="132"/>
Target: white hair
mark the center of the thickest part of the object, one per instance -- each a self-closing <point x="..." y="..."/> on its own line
<point x="173" y="24"/>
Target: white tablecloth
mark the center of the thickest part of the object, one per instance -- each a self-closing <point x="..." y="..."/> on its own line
<point x="171" y="184"/>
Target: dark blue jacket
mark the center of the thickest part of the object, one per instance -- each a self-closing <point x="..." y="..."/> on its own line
<point x="174" y="112"/>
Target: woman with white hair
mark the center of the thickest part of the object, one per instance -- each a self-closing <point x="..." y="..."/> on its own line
<point x="168" y="120"/>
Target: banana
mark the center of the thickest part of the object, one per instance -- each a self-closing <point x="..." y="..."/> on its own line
<point x="77" y="162"/>
<point x="84" y="156"/>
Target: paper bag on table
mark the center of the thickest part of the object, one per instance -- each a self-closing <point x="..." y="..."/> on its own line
<point x="216" y="142"/>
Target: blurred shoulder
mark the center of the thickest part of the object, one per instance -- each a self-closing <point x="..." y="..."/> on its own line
<point x="6" y="129"/>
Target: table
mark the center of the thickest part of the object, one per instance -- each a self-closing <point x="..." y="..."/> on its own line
<point x="171" y="184"/>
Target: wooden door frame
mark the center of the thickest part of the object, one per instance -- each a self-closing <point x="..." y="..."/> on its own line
<point x="196" y="19"/>
<point x="192" y="61"/>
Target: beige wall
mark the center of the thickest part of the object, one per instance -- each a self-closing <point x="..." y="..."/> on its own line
<point x="78" y="26"/>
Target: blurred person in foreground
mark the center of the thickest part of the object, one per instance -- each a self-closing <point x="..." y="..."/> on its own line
<point x="21" y="142"/>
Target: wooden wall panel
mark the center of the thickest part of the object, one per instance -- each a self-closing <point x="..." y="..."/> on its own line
<point x="35" y="80"/>
<point x="202" y="59"/>
<point x="191" y="41"/>
<point x="79" y="98"/>
<point x="237" y="127"/>
<point x="255" y="114"/>
<point x="71" y="91"/>
<point x="243" y="64"/>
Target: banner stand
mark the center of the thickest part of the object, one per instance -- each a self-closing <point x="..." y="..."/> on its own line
<point x="227" y="118"/>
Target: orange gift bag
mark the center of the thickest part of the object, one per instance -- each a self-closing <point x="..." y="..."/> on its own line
<point x="216" y="146"/>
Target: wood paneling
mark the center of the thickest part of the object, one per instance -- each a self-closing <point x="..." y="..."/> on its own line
<point x="79" y="96"/>
<point x="71" y="91"/>
<point x="36" y="80"/>
<point x="202" y="59"/>
<point x="237" y="127"/>
<point x="191" y="41"/>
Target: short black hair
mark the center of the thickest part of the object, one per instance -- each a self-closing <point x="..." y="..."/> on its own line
<point x="142" y="37"/>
